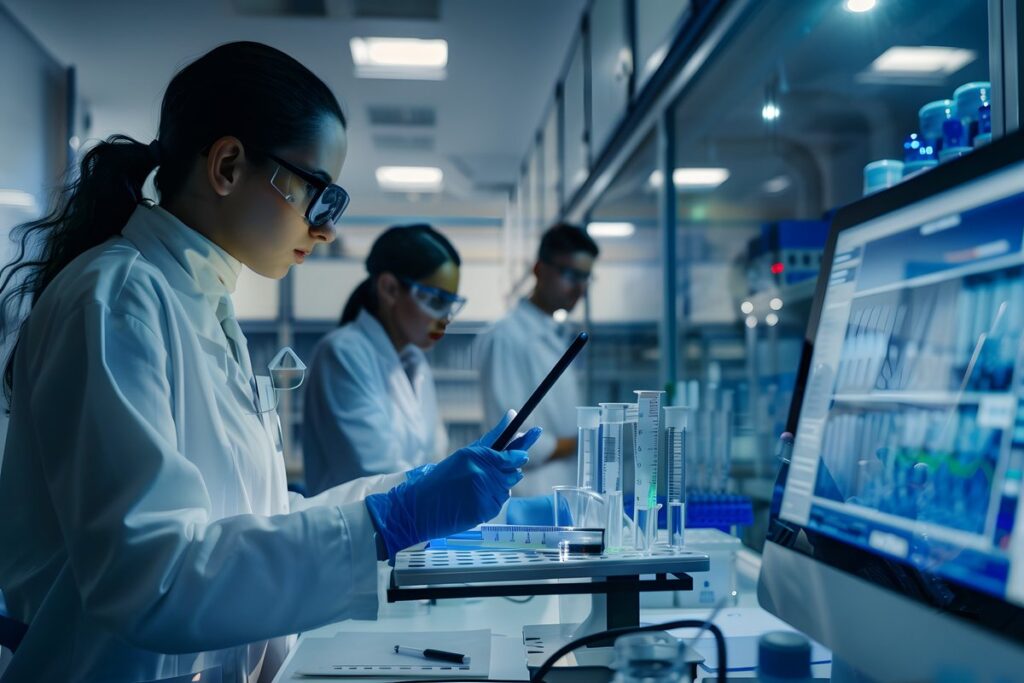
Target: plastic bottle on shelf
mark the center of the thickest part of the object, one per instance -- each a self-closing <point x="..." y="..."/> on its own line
<point x="984" y="135"/>
<point x="882" y="174"/>
<point x="969" y="97"/>
<point x="931" y="117"/>
<point x="954" y="141"/>
<point x="918" y="155"/>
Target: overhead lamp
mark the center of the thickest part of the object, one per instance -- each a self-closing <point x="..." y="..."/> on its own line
<point x="17" y="199"/>
<point x="775" y="304"/>
<point x="751" y="321"/>
<point x="412" y="58"/>
<point x="922" y="61"/>
<point x="691" y="178"/>
<point x="611" y="229"/>
<point x="410" y="178"/>
<point x="770" y="112"/>
<point x="771" y="320"/>
<point x="779" y="183"/>
<point x="747" y="307"/>
<point x="859" y="6"/>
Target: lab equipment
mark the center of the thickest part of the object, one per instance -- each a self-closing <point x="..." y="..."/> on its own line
<point x="914" y="480"/>
<point x="984" y="135"/>
<point x="955" y="140"/>
<point x="930" y="119"/>
<point x="538" y="537"/>
<point x="429" y="653"/>
<point x="783" y="656"/>
<point x="676" y="418"/>
<point x="646" y="462"/>
<point x="373" y="655"/>
<point x="581" y="507"/>
<point x="587" y="446"/>
<point x="915" y="148"/>
<point x="882" y="174"/>
<point x="722" y="454"/>
<point x="969" y="97"/>
<point x="650" y="657"/>
<point x="416" y="511"/>
<point x="612" y="429"/>
<point x="570" y="353"/>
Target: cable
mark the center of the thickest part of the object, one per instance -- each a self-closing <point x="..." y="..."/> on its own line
<point x="519" y="601"/>
<point x="549" y="663"/>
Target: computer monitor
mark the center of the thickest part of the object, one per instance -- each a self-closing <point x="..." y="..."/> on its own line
<point x="897" y="530"/>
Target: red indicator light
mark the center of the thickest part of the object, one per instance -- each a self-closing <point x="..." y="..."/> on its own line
<point x="777" y="268"/>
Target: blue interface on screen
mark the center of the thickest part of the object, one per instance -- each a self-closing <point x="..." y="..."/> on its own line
<point x="910" y="440"/>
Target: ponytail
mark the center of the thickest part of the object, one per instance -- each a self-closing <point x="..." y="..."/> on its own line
<point x="406" y="251"/>
<point x="361" y="299"/>
<point x="90" y="210"/>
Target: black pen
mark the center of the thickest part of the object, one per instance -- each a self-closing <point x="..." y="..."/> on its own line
<point x="454" y="657"/>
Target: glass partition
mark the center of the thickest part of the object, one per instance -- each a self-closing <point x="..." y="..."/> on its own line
<point x="574" y="131"/>
<point x="610" y="67"/>
<point x="783" y="125"/>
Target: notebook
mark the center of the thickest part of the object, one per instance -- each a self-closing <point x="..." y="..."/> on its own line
<point x="373" y="654"/>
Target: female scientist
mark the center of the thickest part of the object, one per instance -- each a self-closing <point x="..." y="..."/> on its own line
<point x="370" y="404"/>
<point x="147" y="532"/>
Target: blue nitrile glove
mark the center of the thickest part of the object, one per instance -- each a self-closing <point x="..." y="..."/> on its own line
<point x="418" y="472"/>
<point x="466" y="488"/>
<point x="538" y="510"/>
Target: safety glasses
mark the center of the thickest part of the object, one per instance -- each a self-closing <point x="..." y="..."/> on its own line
<point x="571" y="275"/>
<point x="435" y="302"/>
<point x="324" y="201"/>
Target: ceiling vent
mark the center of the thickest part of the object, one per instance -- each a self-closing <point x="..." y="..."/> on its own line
<point x="281" y="8"/>
<point x="403" y="143"/>
<point x="398" y="115"/>
<point x="397" y="9"/>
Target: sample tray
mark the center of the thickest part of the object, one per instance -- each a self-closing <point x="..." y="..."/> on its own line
<point x="433" y="567"/>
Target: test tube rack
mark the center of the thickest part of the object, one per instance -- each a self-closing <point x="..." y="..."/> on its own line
<point x="614" y="581"/>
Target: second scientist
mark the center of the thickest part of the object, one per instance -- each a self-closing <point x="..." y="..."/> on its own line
<point x="370" y="404"/>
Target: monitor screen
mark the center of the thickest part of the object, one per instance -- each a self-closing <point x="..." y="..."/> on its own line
<point x="910" y="433"/>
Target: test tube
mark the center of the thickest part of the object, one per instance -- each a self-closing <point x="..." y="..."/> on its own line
<point x="587" y="446"/>
<point x="612" y="428"/>
<point x="722" y="457"/>
<point x="675" y="447"/>
<point x="645" y="468"/>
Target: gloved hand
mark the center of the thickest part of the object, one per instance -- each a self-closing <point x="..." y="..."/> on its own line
<point x="464" y="489"/>
<point x="521" y="443"/>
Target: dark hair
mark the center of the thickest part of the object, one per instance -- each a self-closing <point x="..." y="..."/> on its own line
<point x="254" y="92"/>
<point x="563" y="239"/>
<point x="406" y="251"/>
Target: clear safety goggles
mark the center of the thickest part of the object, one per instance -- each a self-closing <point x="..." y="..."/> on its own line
<point x="573" y="276"/>
<point x="287" y="372"/>
<point x="323" y="201"/>
<point x="435" y="302"/>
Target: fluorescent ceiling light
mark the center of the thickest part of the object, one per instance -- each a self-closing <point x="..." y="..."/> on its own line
<point x="922" y="61"/>
<point x="770" y="112"/>
<point x="779" y="183"/>
<point x="400" y="58"/>
<point x="692" y="178"/>
<point x="17" y="199"/>
<point x="858" y="6"/>
<point x="606" y="229"/>
<point x="410" y="178"/>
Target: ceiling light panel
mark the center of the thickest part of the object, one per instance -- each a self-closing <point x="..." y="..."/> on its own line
<point x="408" y="58"/>
<point x="410" y="178"/>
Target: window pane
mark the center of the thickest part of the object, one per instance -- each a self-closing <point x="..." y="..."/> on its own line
<point x="609" y="63"/>
<point x="574" y="148"/>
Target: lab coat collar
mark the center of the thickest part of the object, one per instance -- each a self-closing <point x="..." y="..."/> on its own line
<point x="204" y="265"/>
<point x="378" y="336"/>
<point x="537" y="318"/>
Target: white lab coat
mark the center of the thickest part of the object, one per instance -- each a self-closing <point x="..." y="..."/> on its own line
<point x="368" y="409"/>
<point x="515" y="354"/>
<point x="147" y="531"/>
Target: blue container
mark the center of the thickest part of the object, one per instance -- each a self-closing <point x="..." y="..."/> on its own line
<point x="878" y="175"/>
<point x="916" y="148"/>
<point x="932" y="115"/>
<point x="969" y="97"/>
<point x="984" y="135"/>
<point x="953" y="134"/>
